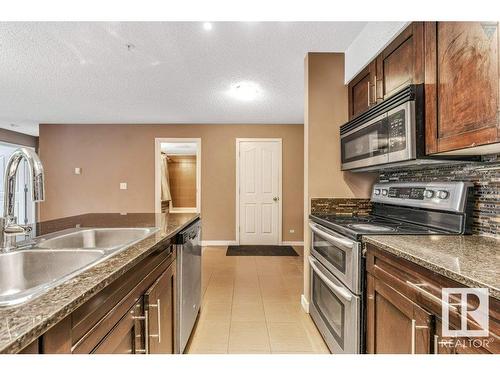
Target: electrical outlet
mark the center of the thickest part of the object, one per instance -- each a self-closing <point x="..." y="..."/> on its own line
<point x="292" y="230"/>
<point x="123" y="186"/>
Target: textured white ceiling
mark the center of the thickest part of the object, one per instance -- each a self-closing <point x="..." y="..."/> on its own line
<point x="175" y="72"/>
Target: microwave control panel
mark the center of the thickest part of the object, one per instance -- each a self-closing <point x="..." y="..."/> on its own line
<point x="397" y="131"/>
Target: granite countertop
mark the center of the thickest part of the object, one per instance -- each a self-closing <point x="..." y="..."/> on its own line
<point x="21" y="324"/>
<point x="470" y="260"/>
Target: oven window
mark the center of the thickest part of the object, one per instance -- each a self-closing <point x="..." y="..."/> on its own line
<point x="330" y="308"/>
<point x="332" y="254"/>
<point x="365" y="143"/>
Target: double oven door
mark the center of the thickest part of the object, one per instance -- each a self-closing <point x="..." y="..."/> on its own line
<point x="335" y="304"/>
<point x="387" y="138"/>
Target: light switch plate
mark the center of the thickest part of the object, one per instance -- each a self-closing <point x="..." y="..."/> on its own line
<point x="78" y="170"/>
<point x="123" y="186"/>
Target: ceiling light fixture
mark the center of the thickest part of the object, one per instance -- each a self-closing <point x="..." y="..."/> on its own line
<point x="207" y="26"/>
<point x="245" y="91"/>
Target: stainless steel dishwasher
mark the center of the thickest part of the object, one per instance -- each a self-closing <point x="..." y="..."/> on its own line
<point x="188" y="282"/>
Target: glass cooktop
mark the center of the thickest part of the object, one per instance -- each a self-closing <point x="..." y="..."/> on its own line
<point x="355" y="226"/>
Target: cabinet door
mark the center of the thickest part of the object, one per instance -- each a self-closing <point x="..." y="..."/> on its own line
<point x="395" y="325"/>
<point x="127" y="336"/>
<point x="462" y="85"/>
<point x="160" y="307"/>
<point x="361" y="91"/>
<point x="402" y="62"/>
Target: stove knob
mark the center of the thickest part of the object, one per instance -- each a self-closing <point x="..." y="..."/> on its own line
<point x="384" y="192"/>
<point x="428" y="194"/>
<point x="442" y="194"/>
<point x="377" y="191"/>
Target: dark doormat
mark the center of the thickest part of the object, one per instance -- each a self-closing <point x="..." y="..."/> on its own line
<point x="261" y="250"/>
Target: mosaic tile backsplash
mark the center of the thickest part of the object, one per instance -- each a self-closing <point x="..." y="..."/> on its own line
<point x="341" y="206"/>
<point x="486" y="179"/>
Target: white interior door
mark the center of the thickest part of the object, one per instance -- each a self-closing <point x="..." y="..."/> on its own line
<point x="259" y="192"/>
<point x="24" y="208"/>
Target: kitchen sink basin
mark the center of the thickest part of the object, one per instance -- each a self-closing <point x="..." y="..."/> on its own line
<point x="52" y="259"/>
<point x="95" y="238"/>
<point x="28" y="272"/>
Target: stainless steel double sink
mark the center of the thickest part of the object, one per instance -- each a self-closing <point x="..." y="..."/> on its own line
<point x="48" y="261"/>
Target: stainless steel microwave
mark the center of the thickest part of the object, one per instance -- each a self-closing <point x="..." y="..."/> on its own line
<point x="390" y="132"/>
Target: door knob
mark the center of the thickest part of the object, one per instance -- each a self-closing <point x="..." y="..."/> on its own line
<point x="276" y="199"/>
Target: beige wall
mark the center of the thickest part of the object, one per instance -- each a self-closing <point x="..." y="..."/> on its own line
<point x="325" y="111"/>
<point x="110" y="154"/>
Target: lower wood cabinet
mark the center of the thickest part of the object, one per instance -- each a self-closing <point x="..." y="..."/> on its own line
<point x="126" y="336"/>
<point x="397" y="325"/>
<point x="135" y="314"/>
<point x="404" y="310"/>
<point x="160" y="311"/>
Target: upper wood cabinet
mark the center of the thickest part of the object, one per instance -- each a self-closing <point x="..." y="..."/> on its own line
<point x="402" y="62"/>
<point x="362" y="91"/>
<point x="461" y="85"/>
<point x="459" y="64"/>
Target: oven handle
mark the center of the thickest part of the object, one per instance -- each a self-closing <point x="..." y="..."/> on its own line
<point x="342" y="292"/>
<point x="338" y="241"/>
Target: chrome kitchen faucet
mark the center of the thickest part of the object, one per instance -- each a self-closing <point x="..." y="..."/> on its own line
<point x="9" y="228"/>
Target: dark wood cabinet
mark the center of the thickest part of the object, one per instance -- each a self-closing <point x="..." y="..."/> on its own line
<point x="461" y="85"/>
<point x="402" y="62"/>
<point x="396" y="324"/>
<point x="459" y="64"/>
<point x="404" y="310"/>
<point x="362" y="91"/>
<point x="127" y="336"/>
<point x="159" y="302"/>
<point x="124" y="316"/>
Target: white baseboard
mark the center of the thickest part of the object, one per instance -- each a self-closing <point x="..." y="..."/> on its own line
<point x="293" y="243"/>
<point x="305" y="303"/>
<point x="218" y="243"/>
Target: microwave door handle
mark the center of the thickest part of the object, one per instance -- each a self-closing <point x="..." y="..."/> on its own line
<point x="338" y="241"/>
<point x="342" y="292"/>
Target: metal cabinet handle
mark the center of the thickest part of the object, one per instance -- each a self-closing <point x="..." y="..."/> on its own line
<point x="414" y="328"/>
<point x="418" y="288"/>
<point x="338" y="241"/>
<point x="436" y="337"/>
<point x="158" y="310"/>
<point x="145" y="318"/>
<point x="338" y="289"/>
<point x="369" y="93"/>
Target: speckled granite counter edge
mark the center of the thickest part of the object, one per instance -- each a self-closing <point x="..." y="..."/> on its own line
<point x="494" y="292"/>
<point x="62" y="300"/>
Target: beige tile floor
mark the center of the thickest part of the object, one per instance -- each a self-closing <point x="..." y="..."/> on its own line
<point x="252" y="305"/>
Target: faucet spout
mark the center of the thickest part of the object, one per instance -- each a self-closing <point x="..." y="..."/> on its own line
<point x="9" y="228"/>
<point x="36" y="177"/>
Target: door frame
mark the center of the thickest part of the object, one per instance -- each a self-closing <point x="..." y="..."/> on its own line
<point x="280" y="184"/>
<point x="158" y="142"/>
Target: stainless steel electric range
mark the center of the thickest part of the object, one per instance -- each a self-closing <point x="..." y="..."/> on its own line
<point x="337" y="262"/>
